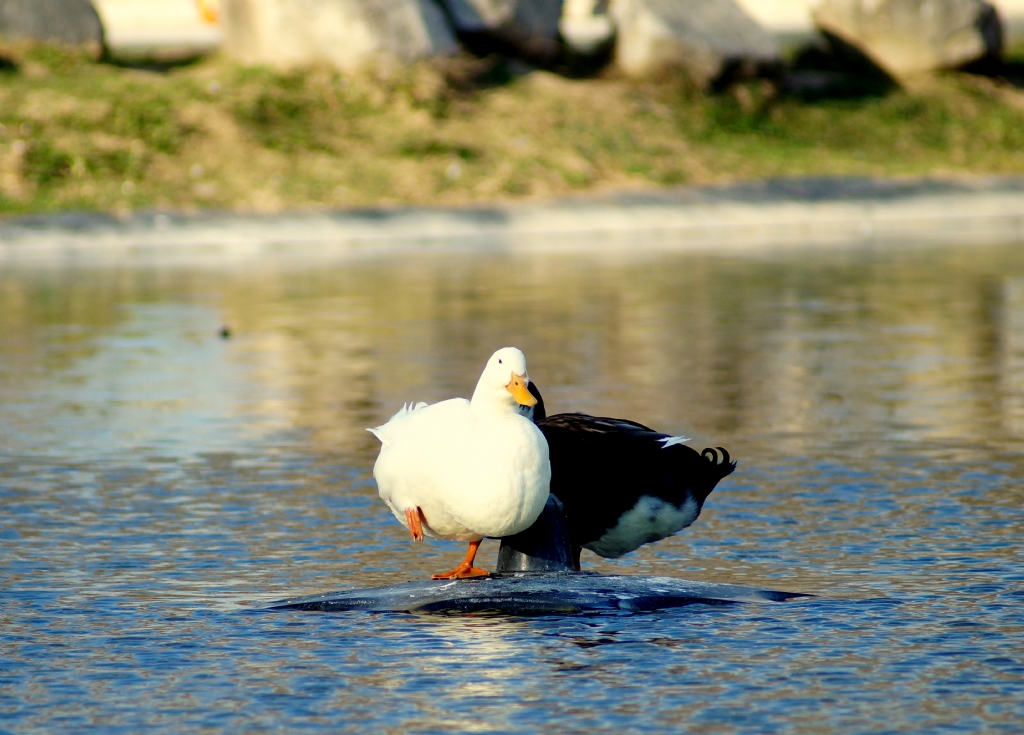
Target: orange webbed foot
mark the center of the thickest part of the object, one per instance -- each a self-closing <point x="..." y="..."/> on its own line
<point x="462" y="572"/>
<point x="465" y="570"/>
<point x="414" y="518"/>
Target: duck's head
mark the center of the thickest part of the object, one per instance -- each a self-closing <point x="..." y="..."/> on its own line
<point x="504" y="382"/>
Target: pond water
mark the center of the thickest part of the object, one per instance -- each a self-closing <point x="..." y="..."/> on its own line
<point x="158" y="482"/>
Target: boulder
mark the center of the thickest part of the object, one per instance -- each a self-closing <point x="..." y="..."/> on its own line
<point x="585" y="26"/>
<point x="910" y="36"/>
<point x="73" y="22"/>
<point x="526" y="28"/>
<point x="710" y="39"/>
<point x="346" y="33"/>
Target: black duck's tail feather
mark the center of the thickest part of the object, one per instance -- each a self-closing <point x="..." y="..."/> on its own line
<point x="724" y="467"/>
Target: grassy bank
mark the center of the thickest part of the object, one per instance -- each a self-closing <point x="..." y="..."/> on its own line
<point x="75" y="134"/>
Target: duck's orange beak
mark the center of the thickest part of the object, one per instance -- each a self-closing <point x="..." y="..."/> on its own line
<point x="517" y="387"/>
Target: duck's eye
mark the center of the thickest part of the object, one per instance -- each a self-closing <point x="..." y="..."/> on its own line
<point x="499" y="361"/>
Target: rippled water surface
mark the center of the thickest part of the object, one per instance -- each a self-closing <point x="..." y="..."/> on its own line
<point x="158" y="482"/>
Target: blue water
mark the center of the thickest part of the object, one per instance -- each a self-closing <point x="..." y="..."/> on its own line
<point x="158" y="483"/>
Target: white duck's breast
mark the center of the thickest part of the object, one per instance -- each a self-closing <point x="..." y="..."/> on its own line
<point x="651" y="519"/>
<point x="470" y="477"/>
<point x="506" y="490"/>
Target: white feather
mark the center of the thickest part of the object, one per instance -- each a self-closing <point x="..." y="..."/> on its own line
<point x="651" y="519"/>
<point x="670" y="441"/>
<point x="387" y="431"/>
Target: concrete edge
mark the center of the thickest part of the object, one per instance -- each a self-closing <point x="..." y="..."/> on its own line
<point x="741" y="217"/>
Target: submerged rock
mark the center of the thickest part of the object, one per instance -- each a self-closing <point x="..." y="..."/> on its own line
<point x="346" y="33"/>
<point x="535" y="594"/>
<point x="709" y="39"/>
<point x="909" y="36"/>
<point x="526" y="28"/>
<point x="73" y="22"/>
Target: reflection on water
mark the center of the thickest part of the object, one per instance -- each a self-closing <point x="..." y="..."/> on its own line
<point x="156" y="481"/>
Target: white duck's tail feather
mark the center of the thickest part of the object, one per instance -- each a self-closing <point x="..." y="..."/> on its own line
<point x="387" y="431"/>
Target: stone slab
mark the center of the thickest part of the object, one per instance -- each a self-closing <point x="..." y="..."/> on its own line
<point x="157" y="29"/>
<point x="906" y="37"/>
<point x="708" y="39"/>
<point x="73" y="22"/>
<point x="347" y="34"/>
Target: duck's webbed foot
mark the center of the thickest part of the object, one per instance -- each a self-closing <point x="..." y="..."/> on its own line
<point x="465" y="570"/>
<point x="414" y="518"/>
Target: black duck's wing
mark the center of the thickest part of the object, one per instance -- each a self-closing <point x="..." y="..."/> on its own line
<point x="601" y="467"/>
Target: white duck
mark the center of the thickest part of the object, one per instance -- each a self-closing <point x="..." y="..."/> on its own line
<point x="464" y="470"/>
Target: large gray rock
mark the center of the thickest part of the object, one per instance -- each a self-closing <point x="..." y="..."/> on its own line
<point x="346" y="33"/>
<point x="908" y="36"/>
<point x="586" y="26"/>
<point x="528" y="28"/>
<point x="72" y="22"/>
<point x="707" y="38"/>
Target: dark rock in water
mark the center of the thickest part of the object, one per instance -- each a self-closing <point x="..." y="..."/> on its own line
<point x="73" y="22"/>
<point x="543" y="547"/>
<point x="534" y="594"/>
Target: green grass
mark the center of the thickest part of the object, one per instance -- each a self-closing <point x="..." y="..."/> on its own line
<point x="83" y="135"/>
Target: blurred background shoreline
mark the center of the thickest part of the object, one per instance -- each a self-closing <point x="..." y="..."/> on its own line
<point x="739" y="218"/>
<point x="165" y="120"/>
